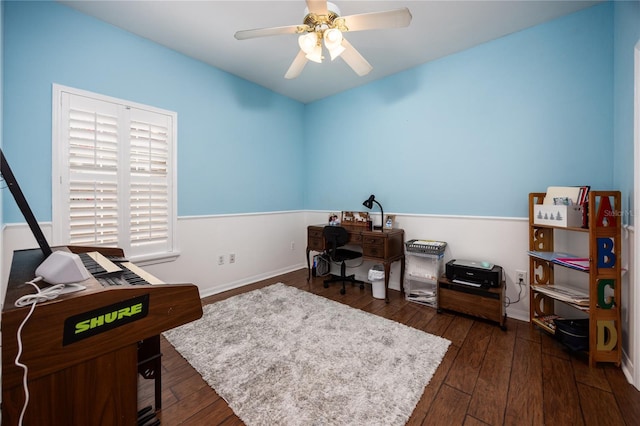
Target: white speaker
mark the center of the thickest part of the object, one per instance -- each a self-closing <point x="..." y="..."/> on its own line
<point x="62" y="267"/>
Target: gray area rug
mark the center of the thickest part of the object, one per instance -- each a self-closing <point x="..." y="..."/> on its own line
<point x="282" y="356"/>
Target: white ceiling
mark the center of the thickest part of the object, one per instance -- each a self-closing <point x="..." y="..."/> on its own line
<point x="204" y="30"/>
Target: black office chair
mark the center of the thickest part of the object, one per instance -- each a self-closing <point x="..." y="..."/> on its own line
<point x="335" y="237"/>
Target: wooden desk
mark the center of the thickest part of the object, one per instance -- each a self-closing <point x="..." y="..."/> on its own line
<point x="384" y="246"/>
<point x="75" y="380"/>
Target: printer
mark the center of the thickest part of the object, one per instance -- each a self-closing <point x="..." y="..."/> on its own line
<point x="474" y="273"/>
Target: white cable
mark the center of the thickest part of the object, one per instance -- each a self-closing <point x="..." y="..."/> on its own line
<point x="31" y="299"/>
<point x="49" y="293"/>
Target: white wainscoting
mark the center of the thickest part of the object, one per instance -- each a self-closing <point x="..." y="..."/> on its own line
<point x="262" y="244"/>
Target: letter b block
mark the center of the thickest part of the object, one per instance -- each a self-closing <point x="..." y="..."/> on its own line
<point x="606" y="256"/>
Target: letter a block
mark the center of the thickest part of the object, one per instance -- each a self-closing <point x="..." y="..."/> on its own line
<point x="606" y="215"/>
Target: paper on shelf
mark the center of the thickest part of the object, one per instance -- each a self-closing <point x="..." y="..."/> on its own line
<point x="550" y="255"/>
<point x="564" y="259"/>
<point x="580" y="263"/>
<point x="565" y="294"/>
<point x="571" y="192"/>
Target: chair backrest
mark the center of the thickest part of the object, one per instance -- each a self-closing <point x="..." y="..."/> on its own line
<point x="335" y="236"/>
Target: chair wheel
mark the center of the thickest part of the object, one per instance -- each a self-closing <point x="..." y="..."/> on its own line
<point x="326" y="285"/>
<point x="342" y="291"/>
<point x="361" y="286"/>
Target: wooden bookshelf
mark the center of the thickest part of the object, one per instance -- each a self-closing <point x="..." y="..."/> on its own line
<point x="603" y="276"/>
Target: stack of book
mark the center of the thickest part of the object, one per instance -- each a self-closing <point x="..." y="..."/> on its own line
<point x="424" y="296"/>
<point x="566" y="294"/>
<point x="583" y="195"/>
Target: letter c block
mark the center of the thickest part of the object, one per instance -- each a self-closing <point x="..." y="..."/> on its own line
<point x="603" y="301"/>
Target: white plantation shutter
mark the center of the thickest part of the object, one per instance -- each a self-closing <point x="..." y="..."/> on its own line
<point x="93" y="178"/>
<point x="116" y="171"/>
<point x="149" y="189"/>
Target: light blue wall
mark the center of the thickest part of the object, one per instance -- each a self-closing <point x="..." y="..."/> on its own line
<point x="475" y="132"/>
<point x="626" y="36"/>
<point x="239" y="144"/>
<point x="471" y="133"/>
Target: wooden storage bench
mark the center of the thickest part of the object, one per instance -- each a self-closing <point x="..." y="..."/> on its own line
<point x="487" y="303"/>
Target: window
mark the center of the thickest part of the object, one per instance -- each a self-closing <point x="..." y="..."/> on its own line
<point x="114" y="174"/>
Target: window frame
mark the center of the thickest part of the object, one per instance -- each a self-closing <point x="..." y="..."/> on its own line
<point x="60" y="175"/>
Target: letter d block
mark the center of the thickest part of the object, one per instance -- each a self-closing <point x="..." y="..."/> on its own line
<point x="607" y="335"/>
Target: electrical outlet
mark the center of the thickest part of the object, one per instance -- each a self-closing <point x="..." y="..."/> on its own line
<point x="221" y="259"/>
<point x="521" y="277"/>
<point x="293" y="245"/>
<point x="232" y="258"/>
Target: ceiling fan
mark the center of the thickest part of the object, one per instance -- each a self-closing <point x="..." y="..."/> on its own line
<point x="323" y="22"/>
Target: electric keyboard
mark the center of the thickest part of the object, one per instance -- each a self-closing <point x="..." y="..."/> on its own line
<point x="91" y="264"/>
<point x="73" y="341"/>
<point x="118" y="273"/>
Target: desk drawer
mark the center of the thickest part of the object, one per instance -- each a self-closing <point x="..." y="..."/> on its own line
<point x="315" y="240"/>
<point x="314" y="233"/>
<point x="315" y="244"/>
<point x="373" y="246"/>
<point x="355" y="238"/>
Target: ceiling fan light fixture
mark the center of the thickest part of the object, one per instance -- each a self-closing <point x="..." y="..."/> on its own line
<point x="322" y="23"/>
<point x="332" y="38"/>
<point x="333" y="42"/>
<point x="316" y="54"/>
<point x="308" y="42"/>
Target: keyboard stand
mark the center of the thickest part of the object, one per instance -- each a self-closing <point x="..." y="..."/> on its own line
<point x="150" y="365"/>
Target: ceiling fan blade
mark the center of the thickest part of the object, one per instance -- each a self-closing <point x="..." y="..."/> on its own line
<point x="396" y="18"/>
<point x="319" y="7"/>
<point x="354" y="59"/>
<point x="266" y="32"/>
<point x="296" y="66"/>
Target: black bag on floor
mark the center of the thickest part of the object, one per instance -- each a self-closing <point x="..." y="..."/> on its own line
<point x="573" y="333"/>
<point x="323" y="265"/>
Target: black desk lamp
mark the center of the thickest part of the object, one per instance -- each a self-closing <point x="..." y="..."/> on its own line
<point x="369" y="204"/>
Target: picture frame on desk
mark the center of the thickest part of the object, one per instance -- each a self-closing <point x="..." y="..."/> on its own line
<point x="390" y="222"/>
<point x="360" y="219"/>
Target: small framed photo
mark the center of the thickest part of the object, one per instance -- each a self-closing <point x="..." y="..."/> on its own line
<point x="334" y="219"/>
<point x="390" y="222"/>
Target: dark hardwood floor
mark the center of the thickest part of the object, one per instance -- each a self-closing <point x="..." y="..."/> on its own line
<point x="520" y="376"/>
